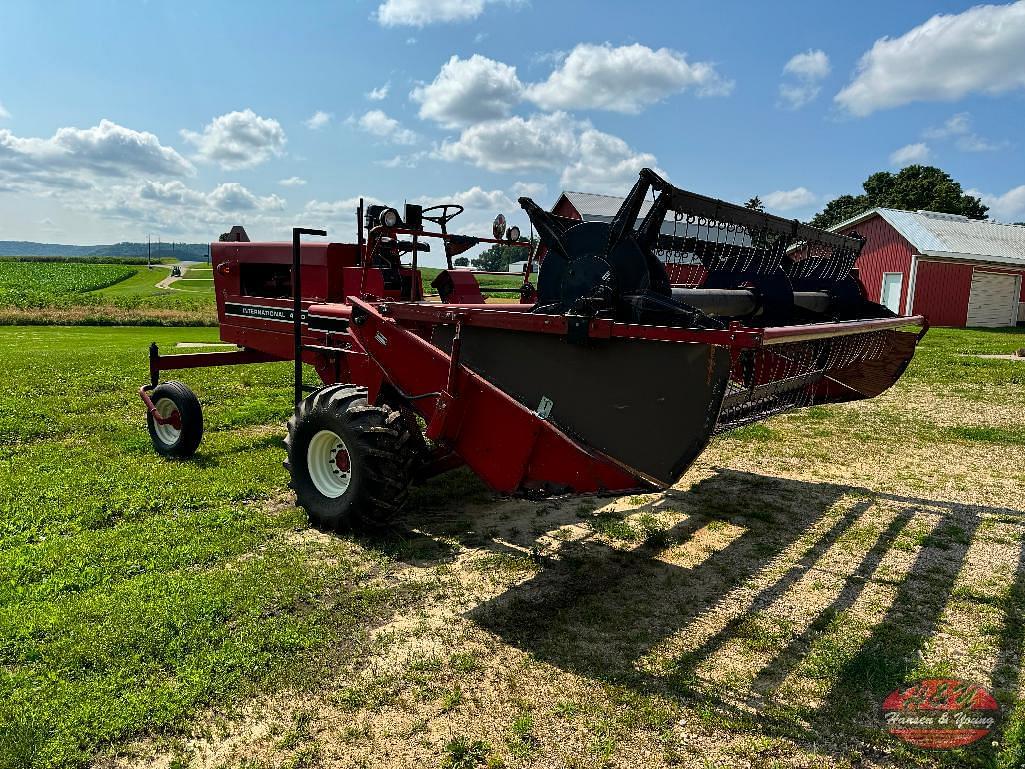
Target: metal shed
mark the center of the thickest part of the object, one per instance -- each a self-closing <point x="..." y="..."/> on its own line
<point x="954" y="270"/>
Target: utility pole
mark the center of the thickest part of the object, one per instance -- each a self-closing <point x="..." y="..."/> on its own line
<point x="149" y="265"/>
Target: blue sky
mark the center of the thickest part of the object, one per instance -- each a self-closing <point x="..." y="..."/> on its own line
<point x="178" y="119"/>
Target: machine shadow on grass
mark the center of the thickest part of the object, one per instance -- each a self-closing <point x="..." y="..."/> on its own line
<point x="597" y="611"/>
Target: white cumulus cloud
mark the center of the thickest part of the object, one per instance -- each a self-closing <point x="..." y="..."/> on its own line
<point x="318" y="120"/>
<point x="529" y="189"/>
<point x="975" y="143"/>
<point x="171" y="193"/>
<point x="228" y="196"/>
<point x="810" y="65"/>
<point x="796" y="95"/>
<point x="76" y="157"/>
<point x="943" y="59"/>
<point x="380" y="93"/>
<point x="956" y="125"/>
<point x="806" y="70"/>
<point x="588" y="159"/>
<point x="339" y="214"/>
<point x="959" y="128"/>
<point x="475" y="198"/>
<point x="173" y="207"/>
<point x="623" y="79"/>
<point x="604" y="164"/>
<point x="240" y="139"/>
<point x="126" y="176"/>
<point x="377" y="123"/>
<point x="1009" y="207"/>
<point x="292" y="181"/>
<point x="409" y="160"/>
<point x="232" y="196"/>
<point x="910" y="154"/>
<point x="420" y="13"/>
<point x="515" y="143"/>
<point x="788" y="200"/>
<point x="468" y="91"/>
<point x="602" y="77"/>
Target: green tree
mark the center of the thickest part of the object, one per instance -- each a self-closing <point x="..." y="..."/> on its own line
<point x="755" y="204"/>
<point x="840" y="209"/>
<point x="460" y="261"/>
<point x="914" y="188"/>
<point x="499" y="257"/>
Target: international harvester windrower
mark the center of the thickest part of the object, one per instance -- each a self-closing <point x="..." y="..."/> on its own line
<point x="679" y="318"/>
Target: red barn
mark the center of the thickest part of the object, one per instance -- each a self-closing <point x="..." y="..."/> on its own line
<point x="954" y="270"/>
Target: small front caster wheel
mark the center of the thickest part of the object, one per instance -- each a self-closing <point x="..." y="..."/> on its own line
<point x="181" y="429"/>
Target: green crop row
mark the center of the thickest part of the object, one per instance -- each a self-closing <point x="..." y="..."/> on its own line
<point x="42" y="284"/>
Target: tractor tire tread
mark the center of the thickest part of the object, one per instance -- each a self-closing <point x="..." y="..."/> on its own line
<point x="384" y="447"/>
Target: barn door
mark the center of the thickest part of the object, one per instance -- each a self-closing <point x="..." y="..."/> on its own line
<point x="993" y="302"/>
<point x="890" y="295"/>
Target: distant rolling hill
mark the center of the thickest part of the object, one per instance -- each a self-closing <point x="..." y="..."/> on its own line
<point x="185" y="251"/>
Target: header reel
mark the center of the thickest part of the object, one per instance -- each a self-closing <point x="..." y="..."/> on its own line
<point x="719" y="262"/>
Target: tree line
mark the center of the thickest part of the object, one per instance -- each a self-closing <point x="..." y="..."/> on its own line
<point x="914" y="188"/>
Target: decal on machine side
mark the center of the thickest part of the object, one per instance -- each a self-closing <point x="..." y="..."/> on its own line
<point x="544" y="408"/>
<point x="285" y="315"/>
<point x="277" y="314"/>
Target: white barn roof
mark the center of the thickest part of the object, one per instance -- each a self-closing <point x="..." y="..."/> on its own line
<point x="953" y="236"/>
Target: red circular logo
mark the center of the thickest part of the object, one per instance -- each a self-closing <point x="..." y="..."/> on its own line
<point x="940" y="713"/>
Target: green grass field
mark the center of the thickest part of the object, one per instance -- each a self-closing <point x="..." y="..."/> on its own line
<point x="486" y="281"/>
<point x="133" y="589"/>
<point x="194" y="294"/>
<point x="39" y="292"/>
<point x="881" y="542"/>
<point x="156" y="612"/>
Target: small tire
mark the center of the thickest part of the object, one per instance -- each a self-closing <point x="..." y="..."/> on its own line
<point x="351" y="463"/>
<point x="176" y="440"/>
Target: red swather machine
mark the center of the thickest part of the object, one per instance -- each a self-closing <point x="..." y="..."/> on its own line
<point x="679" y="318"/>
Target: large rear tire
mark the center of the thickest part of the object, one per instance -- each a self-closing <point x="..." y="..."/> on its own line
<point x="351" y="463"/>
<point x="176" y="402"/>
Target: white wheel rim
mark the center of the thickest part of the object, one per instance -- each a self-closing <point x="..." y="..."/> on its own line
<point x="168" y="434"/>
<point x="327" y="459"/>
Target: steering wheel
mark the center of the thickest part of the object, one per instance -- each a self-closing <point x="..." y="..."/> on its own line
<point x="444" y="217"/>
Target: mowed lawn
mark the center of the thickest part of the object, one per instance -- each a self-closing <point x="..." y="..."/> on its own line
<point x="134" y="589"/>
<point x="182" y="613"/>
<point x="141" y="288"/>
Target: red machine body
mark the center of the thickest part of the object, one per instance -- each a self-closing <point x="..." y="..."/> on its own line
<point x="509" y="446"/>
<point x="539" y="402"/>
